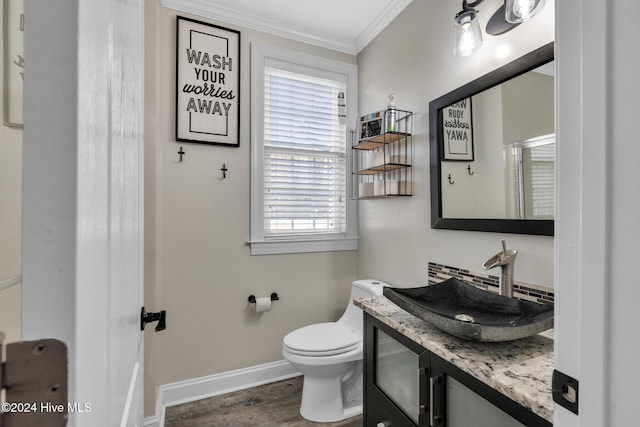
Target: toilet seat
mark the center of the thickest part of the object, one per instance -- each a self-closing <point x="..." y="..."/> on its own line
<point x="321" y="339"/>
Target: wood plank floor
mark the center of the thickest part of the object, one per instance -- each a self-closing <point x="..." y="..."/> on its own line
<point x="271" y="405"/>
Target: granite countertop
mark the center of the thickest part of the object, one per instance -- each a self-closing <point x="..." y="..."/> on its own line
<point x="520" y="369"/>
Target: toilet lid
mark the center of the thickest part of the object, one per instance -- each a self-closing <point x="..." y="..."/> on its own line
<point x="321" y="339"/>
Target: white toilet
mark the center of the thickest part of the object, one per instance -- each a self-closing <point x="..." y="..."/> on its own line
<point x="329" y="355"/>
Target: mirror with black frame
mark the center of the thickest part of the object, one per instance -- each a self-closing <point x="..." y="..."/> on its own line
<point x="492" y="144"/>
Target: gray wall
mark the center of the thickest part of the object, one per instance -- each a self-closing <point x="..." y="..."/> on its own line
<point x="198" y="266"/>
<point x="413" y="59"/>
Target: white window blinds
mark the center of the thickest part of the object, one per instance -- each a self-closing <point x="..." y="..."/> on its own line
<point x="543" y="181"/>
<point x="305" y="157"/>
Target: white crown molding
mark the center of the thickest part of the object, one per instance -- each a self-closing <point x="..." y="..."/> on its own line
<point x="380" y="23"/>
<point x="258" y="23"/>
<point x="233" y="16"/>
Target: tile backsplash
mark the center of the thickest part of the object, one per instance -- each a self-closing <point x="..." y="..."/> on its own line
<point x="521" y="290"/>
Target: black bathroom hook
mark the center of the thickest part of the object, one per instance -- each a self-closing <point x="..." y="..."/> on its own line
<point x="450" y="180"/>
<point x="469" y="170"/>
<point x="181" y="153"/>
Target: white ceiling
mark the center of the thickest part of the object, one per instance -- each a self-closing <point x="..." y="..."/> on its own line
<point x="343" y="25"/>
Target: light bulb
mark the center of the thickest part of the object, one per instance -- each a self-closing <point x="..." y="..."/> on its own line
<point x="517" y="11"/>
<point x="523" y="8"/>
<point x="468" y="36"/>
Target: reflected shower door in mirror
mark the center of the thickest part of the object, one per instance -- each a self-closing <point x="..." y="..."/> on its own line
<point x="493" y="165"/>
<point x="534" y="175"/>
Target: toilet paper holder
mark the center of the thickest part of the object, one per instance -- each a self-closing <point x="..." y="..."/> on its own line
<point x="252" y="298"/>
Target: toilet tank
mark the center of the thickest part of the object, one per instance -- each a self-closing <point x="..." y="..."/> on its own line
<point x="352" y="316"/>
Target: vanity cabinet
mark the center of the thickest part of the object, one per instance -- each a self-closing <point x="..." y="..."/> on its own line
<point x="406" y="385"/>
<point x="382" y="155"/>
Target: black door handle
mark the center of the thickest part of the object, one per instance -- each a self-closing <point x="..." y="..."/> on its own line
<point x="160" y="317"/>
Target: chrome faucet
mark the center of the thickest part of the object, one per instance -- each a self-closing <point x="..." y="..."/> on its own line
<point x="506" y="261"/>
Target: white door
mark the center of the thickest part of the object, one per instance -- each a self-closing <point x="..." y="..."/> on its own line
<point x="83" y="199"/>
<point x="597" y="233"/>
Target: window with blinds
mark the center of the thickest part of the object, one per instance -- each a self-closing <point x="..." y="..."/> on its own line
<point x="304" y="155"/>
<point x="301" y="106"/>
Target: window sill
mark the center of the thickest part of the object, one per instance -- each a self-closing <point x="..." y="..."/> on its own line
<point x="282" y="247"/>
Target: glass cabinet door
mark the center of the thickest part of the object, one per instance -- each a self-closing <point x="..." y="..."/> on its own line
<point x="465" y="408"/>
<point x="459" y="400"/>
<point x="396" y="374"/>
<point x="397" y="378"/>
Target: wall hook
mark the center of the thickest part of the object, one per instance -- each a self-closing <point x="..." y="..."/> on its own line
<point x="181" y="153"/>
<point x="469" y="170"/>
<point x="450" y="180"/>
<point x="224" y="170"/>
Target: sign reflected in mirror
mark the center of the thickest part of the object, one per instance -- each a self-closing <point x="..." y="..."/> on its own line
<point x="503" y="178"/>
<point x="457" y="131"/>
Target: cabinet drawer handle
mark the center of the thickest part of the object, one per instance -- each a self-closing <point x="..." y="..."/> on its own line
<point x="434" y="419"/>
<point x="431" y="401"/>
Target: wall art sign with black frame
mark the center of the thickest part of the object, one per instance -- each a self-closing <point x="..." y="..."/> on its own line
<point x="13" y="14"/>
<point x="457" y="131"/>
<point x="207" y="83"/>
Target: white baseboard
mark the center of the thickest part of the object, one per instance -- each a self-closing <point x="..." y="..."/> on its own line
<point x="213" y="385"/>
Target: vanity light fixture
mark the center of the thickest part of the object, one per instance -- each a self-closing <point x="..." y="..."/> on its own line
<point x="468" y="36"/>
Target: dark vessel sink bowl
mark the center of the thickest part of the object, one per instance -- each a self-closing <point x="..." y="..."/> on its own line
<point x="471" y="313"/>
